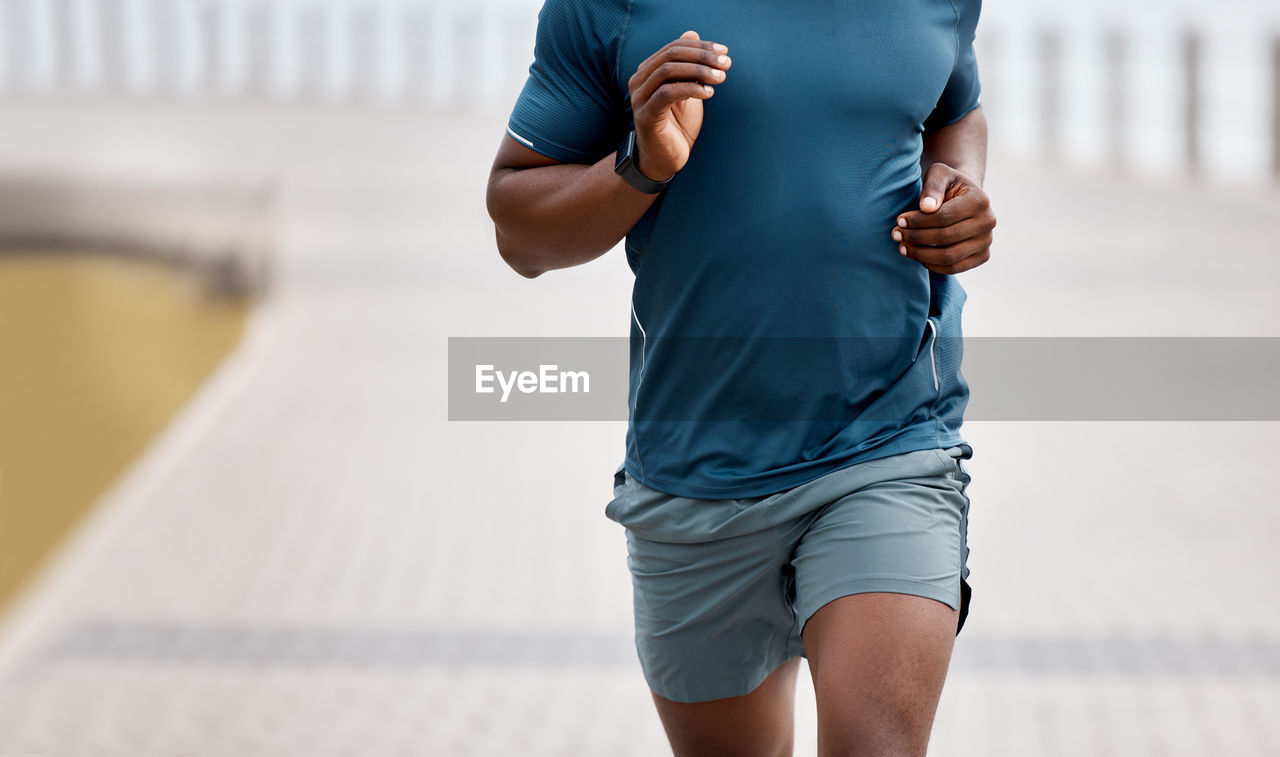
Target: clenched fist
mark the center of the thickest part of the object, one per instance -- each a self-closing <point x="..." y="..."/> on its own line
<point x="952" y="231"/>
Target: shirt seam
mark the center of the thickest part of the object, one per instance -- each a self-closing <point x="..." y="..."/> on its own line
<point x="955" y="61"/>
<point x="956" y="31"/>
<point x="622" y="39"/>
<point x="635" y="404"/>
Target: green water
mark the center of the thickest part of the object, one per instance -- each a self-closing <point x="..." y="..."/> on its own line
<point x="97" y="353"/>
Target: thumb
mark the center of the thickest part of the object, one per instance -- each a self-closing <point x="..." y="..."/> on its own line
<point x="690" y="35"/>
<point x="936" y="181"/>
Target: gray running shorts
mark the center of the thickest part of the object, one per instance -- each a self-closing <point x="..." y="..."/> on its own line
<point x="723" y="587"/>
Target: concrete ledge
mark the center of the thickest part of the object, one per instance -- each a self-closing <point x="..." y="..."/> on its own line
<point x="223" y="232"/>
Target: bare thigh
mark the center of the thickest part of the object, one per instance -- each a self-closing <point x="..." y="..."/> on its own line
<point x="759" y="724"/>
<point x="879" y="661"/>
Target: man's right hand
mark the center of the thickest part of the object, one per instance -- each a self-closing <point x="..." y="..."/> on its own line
<point x="667" y="91"/>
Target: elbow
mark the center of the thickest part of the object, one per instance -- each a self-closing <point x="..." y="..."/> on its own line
<point x="525" y="271"/>
<point x="513" y="257"/>
<point x="511" y="253"/>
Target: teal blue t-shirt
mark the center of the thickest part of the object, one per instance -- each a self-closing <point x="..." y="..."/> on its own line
<point x="776" y="332"/>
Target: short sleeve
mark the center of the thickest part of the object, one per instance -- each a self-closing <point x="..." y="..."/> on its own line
<point x="571" y="107"/>
<point x="963" y="89"/>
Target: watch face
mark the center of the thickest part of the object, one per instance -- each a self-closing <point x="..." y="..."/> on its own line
<point x="626" y="153"/>
<point x="625" y="166"/>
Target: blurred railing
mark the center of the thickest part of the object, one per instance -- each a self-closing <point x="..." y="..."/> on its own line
<point x="1200" y="100"/>
<point x="389" y="52"/>
<point x="1129" y="97"/>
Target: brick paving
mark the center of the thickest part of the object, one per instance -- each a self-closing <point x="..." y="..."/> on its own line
<point x="313" y="560"/>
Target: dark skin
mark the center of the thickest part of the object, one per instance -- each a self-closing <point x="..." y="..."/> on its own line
<point x="952" y="230"/>
<point x="550" y="215"/>
<point x="878" y="659"/>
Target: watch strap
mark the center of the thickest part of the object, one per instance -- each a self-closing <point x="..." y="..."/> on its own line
<point x="627" y="166"/>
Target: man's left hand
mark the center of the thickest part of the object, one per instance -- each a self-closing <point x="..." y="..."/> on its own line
<point x="952" y="231"/>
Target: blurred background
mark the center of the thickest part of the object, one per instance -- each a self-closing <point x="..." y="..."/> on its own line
<point x="235" y="236"/>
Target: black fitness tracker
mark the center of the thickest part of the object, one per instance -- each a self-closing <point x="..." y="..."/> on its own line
<point x="627" y="166"/>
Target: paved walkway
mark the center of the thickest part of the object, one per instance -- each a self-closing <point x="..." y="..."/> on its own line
<point x="314" y="561"/>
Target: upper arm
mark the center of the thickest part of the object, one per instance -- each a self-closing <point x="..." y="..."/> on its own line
<point x="963" y="91"/>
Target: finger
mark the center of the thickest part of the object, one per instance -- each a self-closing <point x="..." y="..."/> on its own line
<point x="672" y="71"/>
<point x="949" y="255"/>
<point x="973" y="261"/>
<point x="936" y="182"/>
<point x="958" y="208"/>
<point x="673" y="92"/>
<point x="682" y="46"/>
<point x="684" y="49"/>
<point x="967" y="228"/>
<point x="691" y="34"/>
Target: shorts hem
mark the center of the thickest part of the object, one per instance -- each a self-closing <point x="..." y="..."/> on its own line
<point x="721" y="690"/>
<point x="893" y="585"/>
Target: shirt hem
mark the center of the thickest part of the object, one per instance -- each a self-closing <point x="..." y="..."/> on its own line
<point x="929" y="439"/>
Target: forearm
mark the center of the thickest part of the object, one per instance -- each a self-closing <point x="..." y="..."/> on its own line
<point x="961" y="145"/>
<point x="561" y="215"/>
